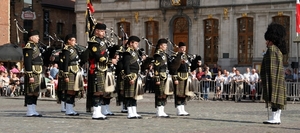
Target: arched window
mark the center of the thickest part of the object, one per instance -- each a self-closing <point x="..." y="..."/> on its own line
<point x="151" y="34"/>
<point x="245" y="40"/>
<point x="126" y="28"/>
<point x="285" y="22"/>
<point x="211" y="40"/>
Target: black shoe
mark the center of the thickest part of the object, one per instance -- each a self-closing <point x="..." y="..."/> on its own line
<point x="124" y="111"/>
<point x="110" y="114"/>
<point x="133" y="117"/>
<point x="35" y="115"/>
<point x="100" y="118"/>
<point x="73" y="114"/>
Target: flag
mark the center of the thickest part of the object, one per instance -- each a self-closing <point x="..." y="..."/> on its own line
<point x="89" y="5"/>
<point x="90" y="21"/>
<point x="298" y="16"/>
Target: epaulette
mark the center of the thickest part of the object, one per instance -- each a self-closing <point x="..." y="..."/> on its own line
<point x="66" y="47"/>
<point x="28" y="45"/>
<point x="129" y="49"/>
<point x="93" y="39"/>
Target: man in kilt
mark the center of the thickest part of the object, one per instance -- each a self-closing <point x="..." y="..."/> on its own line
<point x="33" y="81"/>
<point x="272" y="72"/>
<point x="120" y="77"/>
<point x="132" y="83"/>
<point x="97" y="76"/>
<point x="180" y="79"/>
<point x="72" y="80"/>
<point x="163" y="88"/>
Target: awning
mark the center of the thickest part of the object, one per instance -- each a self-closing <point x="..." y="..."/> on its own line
<point x="11" y="53"/>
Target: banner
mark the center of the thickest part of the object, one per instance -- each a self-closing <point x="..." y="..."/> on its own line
<point x="298" y="17"/>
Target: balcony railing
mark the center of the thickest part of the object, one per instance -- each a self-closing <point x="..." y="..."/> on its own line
<point x="167" y="4"/>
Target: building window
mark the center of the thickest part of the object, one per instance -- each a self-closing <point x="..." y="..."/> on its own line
<point x="152" y="35"/>
<point x="211" y="41"/>
<point x="126" y="27"/>
<point x="28" y="4"/>
<point x="74" y="29"/>
<point x="59" y="29"/>
<point x="28" y="24"/>
<point x="245" y="40"/>
<point x="285" y="22"/>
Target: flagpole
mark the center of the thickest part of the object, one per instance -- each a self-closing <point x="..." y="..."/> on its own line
<point x="297" y="41"/>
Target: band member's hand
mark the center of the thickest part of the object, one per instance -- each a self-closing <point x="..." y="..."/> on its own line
<point x="31" y="80"/>
<point x="176" y="82"/>
<point x="114" y="61"/>
<point x="131" y="82"/>
<point x="157" y="83"/>
<point x="67" y="79"/>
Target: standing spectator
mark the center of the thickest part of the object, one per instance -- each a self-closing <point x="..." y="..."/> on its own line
<point x="289" y="77"/>
<point x="232" y="85"/>
<point x="246" y="86"/>
<point x="54" y="71"/>
<point x="149" y="79"/>
<point x="226" y="84"/>
<point x="252" y="82"/>
<point x="219" y="86"/>
<point x="214" y="71"/>
<point x="206" y="78"/>
<point x="272" y="72"/>
<point x="239" y="80"/>
<point x="200" y="73"/>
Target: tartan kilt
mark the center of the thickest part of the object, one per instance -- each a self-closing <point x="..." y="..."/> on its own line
<point x="71" y="84"/>
<point x="180" y="88"/>
<point x="96" y="82"/>
<point x="129" y="90"/>
<point x="160" y="89"/>
<point x="39" y="83"/>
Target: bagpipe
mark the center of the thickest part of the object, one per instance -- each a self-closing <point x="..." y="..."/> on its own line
<point x="41" y="45"/>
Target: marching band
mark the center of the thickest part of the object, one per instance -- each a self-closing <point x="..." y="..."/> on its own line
<point x="112" y="71"/>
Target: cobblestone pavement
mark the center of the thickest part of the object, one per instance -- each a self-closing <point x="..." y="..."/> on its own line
<point x="206" y="117"/>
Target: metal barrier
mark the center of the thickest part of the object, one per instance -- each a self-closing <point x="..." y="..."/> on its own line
<point x="237" y="91"/>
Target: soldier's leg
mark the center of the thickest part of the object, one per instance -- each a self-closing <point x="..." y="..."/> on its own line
<point x="97" y="102"/>
<point x="105" y="107"/>
<point x="70" y="100"/>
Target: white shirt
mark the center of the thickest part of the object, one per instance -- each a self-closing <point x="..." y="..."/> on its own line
<point x="253" y="77"/>
<point x="227" y="79"/>
<point x="246" y="76"/>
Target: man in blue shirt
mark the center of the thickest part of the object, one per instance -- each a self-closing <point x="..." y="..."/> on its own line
<point x="54" y="71"/>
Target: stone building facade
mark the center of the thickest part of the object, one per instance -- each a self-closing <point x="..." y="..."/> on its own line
<point x="225" y="32"/>
<point x="46" y="16"/>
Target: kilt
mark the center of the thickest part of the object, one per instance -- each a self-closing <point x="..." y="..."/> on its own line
<point x="160" y="89"/>
<point x="129" y="90"/>
<point x="72" y="84"/>
<point x="38" y="85"/>
<point x="180" y="88"/>
<point x="96" y="82"/>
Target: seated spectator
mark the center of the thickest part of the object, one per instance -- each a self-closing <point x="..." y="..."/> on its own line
<point x="5" y="83"/>
<point x="2" y="68"/>
<point x="48" y="79"/>
<point x="54" y="71"/>
<point x="14" y="84"/>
